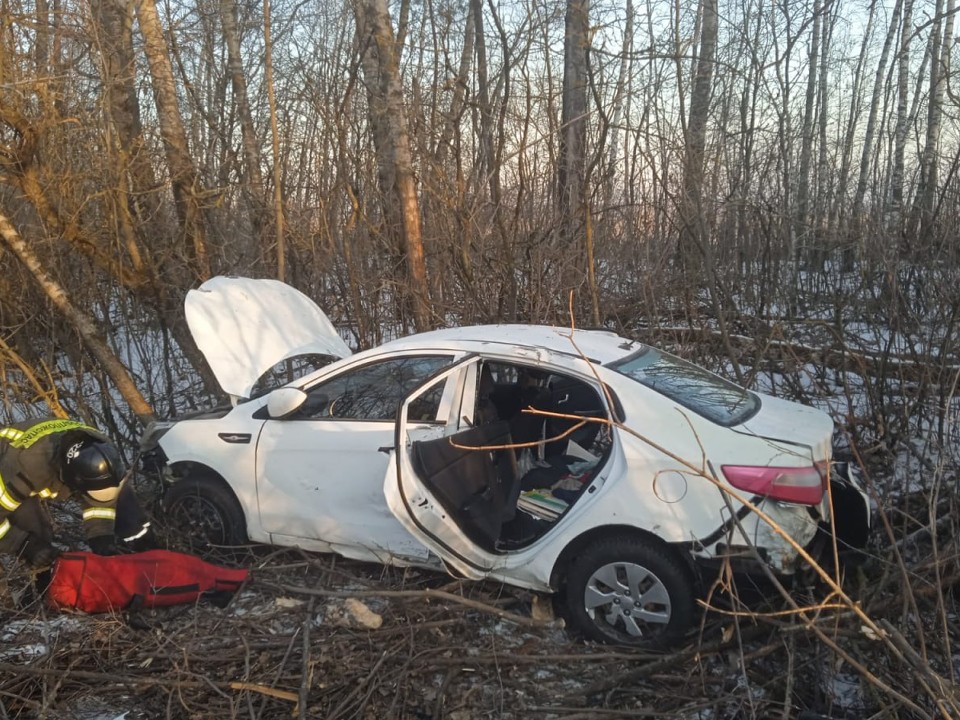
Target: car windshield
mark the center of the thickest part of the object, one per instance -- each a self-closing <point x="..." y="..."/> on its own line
<point x="706" y="394"/>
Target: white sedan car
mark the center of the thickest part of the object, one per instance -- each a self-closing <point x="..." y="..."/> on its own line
<point x="577" y="462"/>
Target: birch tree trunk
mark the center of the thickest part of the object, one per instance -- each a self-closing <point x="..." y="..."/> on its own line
<point x="941" y="40"/>
<point x="381" y="71"/>
<point x="85" y="325"/>
<point x="801" y="219"/>
<point x="183" y="174"/>
<point x="838" y="210"/>
<point x="895" y="207"/>
<point x="253" y="176"/>
<point x="138" y="204"/>
<point x="620" y="103"/>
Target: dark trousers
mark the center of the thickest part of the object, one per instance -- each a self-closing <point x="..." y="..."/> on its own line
<point x="130" y="516"/>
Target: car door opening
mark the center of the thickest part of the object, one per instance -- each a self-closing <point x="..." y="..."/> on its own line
<point x="530" y="456"/>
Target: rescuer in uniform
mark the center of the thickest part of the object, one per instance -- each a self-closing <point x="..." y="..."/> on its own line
<point x="50" y="459"/>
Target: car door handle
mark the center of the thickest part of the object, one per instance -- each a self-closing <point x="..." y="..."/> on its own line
<point x="386" y="449"/>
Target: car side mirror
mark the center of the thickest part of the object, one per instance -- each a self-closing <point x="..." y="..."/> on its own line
<point x="284" y="402"/>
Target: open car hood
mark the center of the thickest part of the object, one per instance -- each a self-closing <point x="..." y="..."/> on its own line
<point x="244" y="327"/>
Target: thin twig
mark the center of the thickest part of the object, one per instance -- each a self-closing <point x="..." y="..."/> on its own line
<point x="306" y="672"/>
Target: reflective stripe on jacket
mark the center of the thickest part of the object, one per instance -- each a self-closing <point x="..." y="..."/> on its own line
<point x="7" y="500"/>
<point x="20" y="438"/>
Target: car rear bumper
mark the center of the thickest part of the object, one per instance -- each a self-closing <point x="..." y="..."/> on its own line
<point x="843" y="539"/>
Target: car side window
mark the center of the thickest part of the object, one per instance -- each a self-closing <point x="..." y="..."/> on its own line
<point x="375" y="391"/>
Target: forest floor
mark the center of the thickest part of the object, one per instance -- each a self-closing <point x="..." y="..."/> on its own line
<point x="315" y="636"/>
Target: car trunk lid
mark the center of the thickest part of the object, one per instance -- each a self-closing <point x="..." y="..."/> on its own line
<point x="789" y="423"/>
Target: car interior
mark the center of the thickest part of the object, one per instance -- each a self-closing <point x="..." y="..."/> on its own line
<point x="529" y="455"/>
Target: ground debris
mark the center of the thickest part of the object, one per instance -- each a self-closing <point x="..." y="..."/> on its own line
<point x="317" y="636"/>
<point x="353" y="613"/>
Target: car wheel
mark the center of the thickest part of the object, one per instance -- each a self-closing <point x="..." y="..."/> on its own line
<point x="204" y="513"/>
<point x="629" y="591"/>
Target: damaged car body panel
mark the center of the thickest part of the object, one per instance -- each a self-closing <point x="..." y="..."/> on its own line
<point x="575" y="462"/>
<point x="670" y="500"/>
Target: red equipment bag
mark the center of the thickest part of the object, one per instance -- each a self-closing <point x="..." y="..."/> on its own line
<point x="96" y="584"/>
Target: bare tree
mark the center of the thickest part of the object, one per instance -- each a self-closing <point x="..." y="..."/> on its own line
<point x="183" y="174"/>
<point x="137" y="193"/>
<point x="278" y="213"/>
<point x="695" y="240"/>
<point x="255" y="194"/>
<point x="620" y="102"/>
<point x="573" y="123"/>
<point x="575" y="223"/>
<point x="895" y="207"/>
<point x="869" y="142"/>
<point x="378" y="51"/>
<point x="84" y="324"/>
<point x="801" y="221"/>
<point x="693" y="235"/>
<point x="941" y="41"/>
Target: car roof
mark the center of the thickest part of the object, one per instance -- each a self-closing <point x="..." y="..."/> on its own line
<point x="599" y="346"/>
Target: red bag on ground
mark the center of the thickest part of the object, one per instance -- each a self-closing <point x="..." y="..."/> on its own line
<point x="96" y="584"/>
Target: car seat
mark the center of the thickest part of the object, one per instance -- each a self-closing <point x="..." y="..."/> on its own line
<point x="479" y="488"/>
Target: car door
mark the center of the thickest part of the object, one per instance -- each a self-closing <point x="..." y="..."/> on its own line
<point x="320" y="472"/>
<point x="426" y="513"/>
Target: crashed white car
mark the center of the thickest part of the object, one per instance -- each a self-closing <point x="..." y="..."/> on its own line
<point x="574" y="462"/>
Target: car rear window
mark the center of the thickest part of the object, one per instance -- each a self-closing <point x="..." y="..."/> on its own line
<point x="709" y="395"/>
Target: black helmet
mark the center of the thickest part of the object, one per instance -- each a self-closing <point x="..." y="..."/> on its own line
<point x="91" y="465"/>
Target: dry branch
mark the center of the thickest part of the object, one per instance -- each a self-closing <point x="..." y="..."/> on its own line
<point x="839" y="357"/>
<point x="426" y="595"/>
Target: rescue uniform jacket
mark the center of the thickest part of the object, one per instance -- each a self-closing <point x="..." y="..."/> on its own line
<point x="31" y="454"/>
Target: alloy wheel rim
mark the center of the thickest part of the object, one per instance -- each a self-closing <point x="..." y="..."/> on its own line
<point x="627" y="598"/>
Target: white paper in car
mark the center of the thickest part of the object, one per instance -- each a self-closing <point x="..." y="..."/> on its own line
<point x="245" y="326"/>
<point x="573" y="448"/>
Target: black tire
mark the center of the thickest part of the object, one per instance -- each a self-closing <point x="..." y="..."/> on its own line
<point x="629" y="591"/>
<point x="203" y="513"/>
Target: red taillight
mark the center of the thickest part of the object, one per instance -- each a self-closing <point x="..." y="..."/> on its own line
<point x="802" y="485"/>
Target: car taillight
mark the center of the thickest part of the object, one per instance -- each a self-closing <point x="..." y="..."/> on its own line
<point x="802" y="485"/>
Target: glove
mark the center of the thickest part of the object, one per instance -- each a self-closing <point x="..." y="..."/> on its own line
<point x="104" y="545"/>
<point x="144" y="540"/>
<point x="41" y="582"/>
<point x="39" y="553"/>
